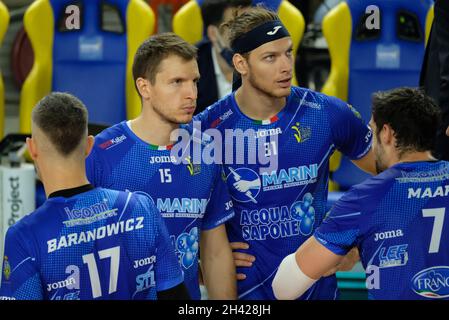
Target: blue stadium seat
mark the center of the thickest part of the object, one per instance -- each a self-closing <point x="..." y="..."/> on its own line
<point x="93" y="62"/>
<point x="364" y="61"/>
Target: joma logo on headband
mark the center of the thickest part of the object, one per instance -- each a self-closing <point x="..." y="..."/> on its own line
<point x="274" y="31"/>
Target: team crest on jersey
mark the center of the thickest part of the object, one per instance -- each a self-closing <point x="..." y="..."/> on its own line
<point x="6" y="268"/>
<point x="354" y="111"/>
<point x="301" y="133"/>
<point x="194" y="169"/>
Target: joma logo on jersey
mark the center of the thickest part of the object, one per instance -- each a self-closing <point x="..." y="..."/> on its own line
<point x="144" y="262"/>
<point x="162" y="159"/>
<point x="61" y="284"/>
<point x="267" y="132"/>
<point x="388" y="235"/>
<point x="113" y="142"/>
<point x="312" y="105"/>
<point x="441" y="191"/>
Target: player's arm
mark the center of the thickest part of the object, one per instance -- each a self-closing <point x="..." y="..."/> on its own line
<point x="347" y="263"/>
<point x="351" y="135"/>
<point x="219" y="210"/>
<point x="217" y="264"/>
<point x="300" y="270"/>
<point x="21" y="278"/>
<point x="367" y="163"/>
<point x="97" y="168"/>
<point x="92" y="167"/>
<point x="333" y="239"/>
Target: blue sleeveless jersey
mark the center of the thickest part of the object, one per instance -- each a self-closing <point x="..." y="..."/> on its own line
<point x="279" y="181"/>
<point x="100" y="244"/>
<point x="399" y="221"/>
<point x="191" y="197"/>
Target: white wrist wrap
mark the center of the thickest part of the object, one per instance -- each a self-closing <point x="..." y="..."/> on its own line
<point x="290" y="282"/>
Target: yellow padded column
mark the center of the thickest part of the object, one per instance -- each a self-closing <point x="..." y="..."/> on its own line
<point x="140" y="22"/>
<point x="4" y="22"/>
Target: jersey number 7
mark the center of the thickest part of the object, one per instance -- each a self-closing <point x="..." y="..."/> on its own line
<point x="437" y="230"/>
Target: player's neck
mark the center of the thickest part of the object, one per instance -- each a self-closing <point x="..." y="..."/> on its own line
<point x="63" y="176"/>
<point x="415" y="157"/>
<point x="257" y="105"/>
<point x="150" y="128"/>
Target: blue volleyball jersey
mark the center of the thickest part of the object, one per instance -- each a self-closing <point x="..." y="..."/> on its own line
<point x="191" y="197"/>
<point x="280" y="197"/>
<point x="99" y="244"/>
<point x="399" y="221"/>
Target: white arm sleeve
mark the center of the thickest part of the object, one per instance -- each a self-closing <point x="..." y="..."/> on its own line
<point x="290" y="282"/>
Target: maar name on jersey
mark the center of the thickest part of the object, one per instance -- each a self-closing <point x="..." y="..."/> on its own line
<point x="440" y="191"/>
<point x="398" y="220"/>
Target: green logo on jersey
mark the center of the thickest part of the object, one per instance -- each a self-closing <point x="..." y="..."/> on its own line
<point x="6" y="268"/>
<point x="193" y="168"/>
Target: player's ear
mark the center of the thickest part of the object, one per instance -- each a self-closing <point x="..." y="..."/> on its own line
<point x="387" y="134"/>
<point x="240" y="64"/>
<point x="31" y="145"/>
<point x="89" y="144"/>
<point x="143" y="86"/>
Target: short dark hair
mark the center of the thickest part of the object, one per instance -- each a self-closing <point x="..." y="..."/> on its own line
<point x="155" y="49"/>
<point x="412" y="115"/>
<point x="63" y="119"/>
<point x="212" y="11"/>
<point x="247" y="21"/>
